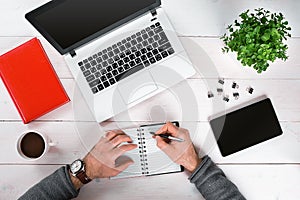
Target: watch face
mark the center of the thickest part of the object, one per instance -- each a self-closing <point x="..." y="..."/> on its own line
<point x="76" y="166"/>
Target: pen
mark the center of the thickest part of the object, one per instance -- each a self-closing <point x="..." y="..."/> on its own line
<point x="168" y="137"/>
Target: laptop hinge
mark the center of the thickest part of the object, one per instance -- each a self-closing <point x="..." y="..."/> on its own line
<point x="153" y="12"/>
<point x="73" y="53"/>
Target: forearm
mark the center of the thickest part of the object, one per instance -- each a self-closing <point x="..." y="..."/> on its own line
<point x="56" y="186"/>
<point x="212" y="182"/>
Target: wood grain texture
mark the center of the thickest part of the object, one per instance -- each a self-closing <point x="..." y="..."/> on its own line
<point x="178" y="102"/>
<point x="190" y="18"/>
<point x="266" y="171"/>
<point x="208" y="59"/>
<point x="205" y="54"/>
<point x="254" y="181"/>
<point x="76" y="139"/>
<point x="211" y="17"/>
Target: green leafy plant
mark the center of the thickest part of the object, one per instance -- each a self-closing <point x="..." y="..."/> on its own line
<point x="258" y="38"/>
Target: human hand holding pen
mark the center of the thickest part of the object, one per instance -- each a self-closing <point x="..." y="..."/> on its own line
<point x="182" y="153"/>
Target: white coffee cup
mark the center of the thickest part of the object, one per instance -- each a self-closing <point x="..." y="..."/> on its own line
<point x="33" y="145"/>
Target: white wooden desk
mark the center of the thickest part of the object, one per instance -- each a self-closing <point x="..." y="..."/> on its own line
<point x="267" y="171"/>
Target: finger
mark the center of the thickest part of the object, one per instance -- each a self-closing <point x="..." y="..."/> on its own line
<point x="118" y="131"/>
<point x="161" y="143"/>
<point x="162" y="129"/>
<point x="116" y="141"/>
<point x="112" y="134"/>
<point x="168" y="128"/>
<point x="127" y="147"/>
<point x="117" y="152"/>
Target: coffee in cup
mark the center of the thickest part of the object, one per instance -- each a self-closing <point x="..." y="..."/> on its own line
<point x="32" y="145"/>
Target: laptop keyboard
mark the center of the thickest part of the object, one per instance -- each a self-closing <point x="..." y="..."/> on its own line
<point x="126" y="57"/>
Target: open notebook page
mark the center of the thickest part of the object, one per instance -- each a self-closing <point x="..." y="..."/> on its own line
<point x="158" y="161"/>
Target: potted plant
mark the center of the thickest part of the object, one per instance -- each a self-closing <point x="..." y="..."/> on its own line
<point x="258" y="38"/>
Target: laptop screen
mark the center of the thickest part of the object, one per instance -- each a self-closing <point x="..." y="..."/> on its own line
<point x="68" y="24"/>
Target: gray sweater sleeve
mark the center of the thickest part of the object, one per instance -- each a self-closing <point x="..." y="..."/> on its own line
<point x="212" y="182"/>
<point x="56" y="186"/>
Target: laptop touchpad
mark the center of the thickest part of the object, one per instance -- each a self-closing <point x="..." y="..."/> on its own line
<point x="137" y="87"/>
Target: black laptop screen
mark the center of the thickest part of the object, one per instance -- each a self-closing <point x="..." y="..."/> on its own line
<point x="68" y="22"/>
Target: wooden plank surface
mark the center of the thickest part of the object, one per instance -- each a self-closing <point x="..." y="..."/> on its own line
<point x="190" y="95"/>
<point x="205" y="54"/>
<point x="75" y="139"/>
<point x="211" y="17"/>
<point x="204" y="17"/>
<point x="266" y="182"/>
<point x="210" y="62"/>
<point x="266" y="171"/>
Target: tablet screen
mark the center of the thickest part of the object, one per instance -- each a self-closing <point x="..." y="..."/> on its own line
<point x="246" y="127"/>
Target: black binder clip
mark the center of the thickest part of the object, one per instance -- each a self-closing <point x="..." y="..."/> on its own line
<point x="221" y="81"/>
<point x="220" y="91"/>
<point x="236" y="95"/>
<point x="210" y="94"/>
<point x="235" y="85"/>
<point x="250" y="90"/>
<point x="226" y="98"/>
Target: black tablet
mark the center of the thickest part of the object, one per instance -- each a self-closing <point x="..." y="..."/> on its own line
<point x="246" y="127"/>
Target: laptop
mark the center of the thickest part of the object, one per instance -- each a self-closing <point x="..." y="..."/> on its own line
<point x="120" y="52"/>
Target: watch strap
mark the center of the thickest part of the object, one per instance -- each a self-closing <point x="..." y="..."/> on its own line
<point x="83" y="177"/>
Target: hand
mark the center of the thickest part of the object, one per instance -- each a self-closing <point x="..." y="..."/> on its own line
<point x="100" y="161"/>
<point x="182" y="153"/>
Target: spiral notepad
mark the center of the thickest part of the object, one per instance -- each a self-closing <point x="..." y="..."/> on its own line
<point x="148" y="158"/>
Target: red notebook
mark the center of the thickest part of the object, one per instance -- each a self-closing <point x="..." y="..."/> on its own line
<point x="31" y="81"/>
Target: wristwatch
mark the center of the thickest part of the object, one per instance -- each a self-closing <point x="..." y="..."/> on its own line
<point x="77" y="169"/>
